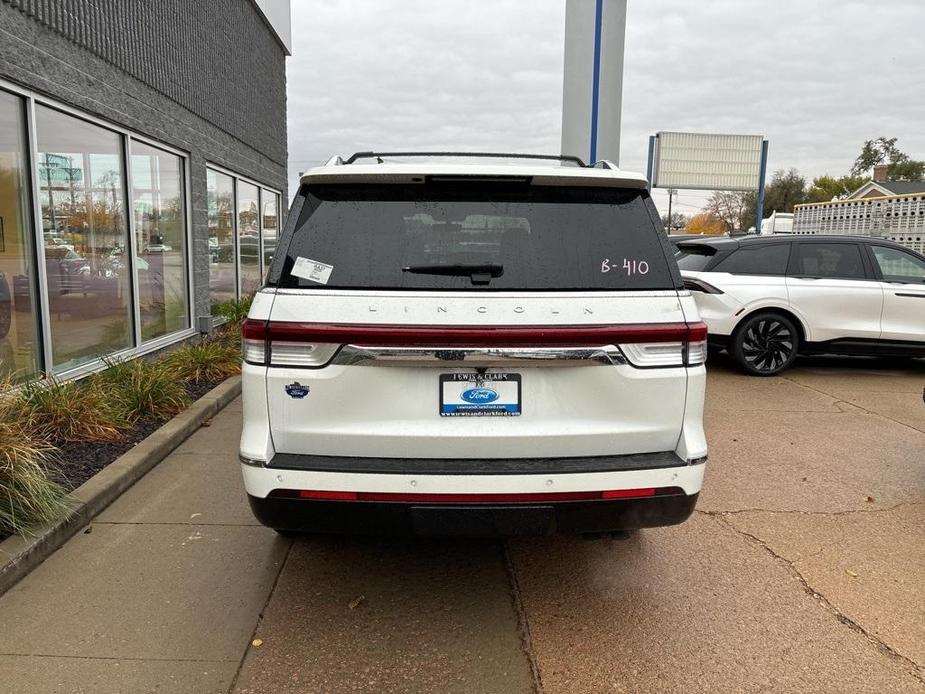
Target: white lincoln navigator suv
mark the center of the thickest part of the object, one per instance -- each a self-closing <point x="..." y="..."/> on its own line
<point x="472" y="349"/>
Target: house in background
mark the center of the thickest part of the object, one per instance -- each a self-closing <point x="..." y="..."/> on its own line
<point x="142" y="171"/>
<point x="893" y="210"/>
<point x="879" y="186"/>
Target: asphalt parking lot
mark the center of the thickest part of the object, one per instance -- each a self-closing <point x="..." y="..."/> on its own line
<point x="803" y="569"/>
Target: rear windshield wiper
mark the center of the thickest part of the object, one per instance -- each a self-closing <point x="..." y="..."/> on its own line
<point x="479" y="273"/>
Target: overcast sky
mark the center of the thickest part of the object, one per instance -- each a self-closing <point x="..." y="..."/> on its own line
<point x="816" y="77"/>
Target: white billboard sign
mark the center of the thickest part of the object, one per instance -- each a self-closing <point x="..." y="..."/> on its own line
<point x="703" y="161"/>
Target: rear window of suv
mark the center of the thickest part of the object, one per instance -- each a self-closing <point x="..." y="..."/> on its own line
<point x="475" y="236"/>
<point x="694" y="258"/>
<point x="756" y="260"/>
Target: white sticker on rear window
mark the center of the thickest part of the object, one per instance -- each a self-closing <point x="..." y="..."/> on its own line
<point x="311" y="270"/>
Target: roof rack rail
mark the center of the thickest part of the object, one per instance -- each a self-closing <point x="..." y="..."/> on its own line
<point x="477" y="155"/>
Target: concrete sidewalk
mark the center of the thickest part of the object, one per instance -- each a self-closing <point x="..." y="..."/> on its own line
<point x="161" y="593"/>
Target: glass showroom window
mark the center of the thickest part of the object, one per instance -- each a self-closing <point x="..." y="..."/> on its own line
<point x="85" y="236"/>
<point x="249" y="236"/>
<point x="223" y="279"/>
<point x="160" y="237"/>
<point x="270" y="203"/>
<point x="19" y="341"/>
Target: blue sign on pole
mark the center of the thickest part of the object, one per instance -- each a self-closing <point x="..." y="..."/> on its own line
<point x="596" y="77"/>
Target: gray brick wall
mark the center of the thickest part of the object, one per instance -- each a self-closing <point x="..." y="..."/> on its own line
<point x="218" y="59"/>
<point x="206" y="77"/>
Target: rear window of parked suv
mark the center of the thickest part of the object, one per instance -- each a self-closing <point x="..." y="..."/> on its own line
<point x="756" y="260"/>
<point x="477" y="236"/>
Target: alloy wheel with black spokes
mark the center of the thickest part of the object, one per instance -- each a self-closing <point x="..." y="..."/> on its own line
<point x="765" y="344"/>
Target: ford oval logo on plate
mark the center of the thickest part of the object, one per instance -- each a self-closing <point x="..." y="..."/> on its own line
<point x="479" y="395"/>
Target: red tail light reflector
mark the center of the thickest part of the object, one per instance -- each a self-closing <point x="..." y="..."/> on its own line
<point x="627" y="493"/>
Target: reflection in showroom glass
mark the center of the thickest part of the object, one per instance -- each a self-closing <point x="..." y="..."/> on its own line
<point x="160" y="231"/>
<point x="19" y="342"/>
<point x="85" y="234"/>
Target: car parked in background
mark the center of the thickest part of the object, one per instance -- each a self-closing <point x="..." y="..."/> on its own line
<point x="57" y="242"/>
<point x="153" y="248"/>
<point x="767" y="299"/>
<point x="470" y="349"/>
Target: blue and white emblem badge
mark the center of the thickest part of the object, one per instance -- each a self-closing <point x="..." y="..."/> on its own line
<point x="297" y="390"/>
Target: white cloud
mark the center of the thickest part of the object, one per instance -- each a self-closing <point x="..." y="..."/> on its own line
<point x="817" y="78"/>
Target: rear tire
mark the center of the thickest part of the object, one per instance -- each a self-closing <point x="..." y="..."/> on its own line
<point x="765" y="344"/>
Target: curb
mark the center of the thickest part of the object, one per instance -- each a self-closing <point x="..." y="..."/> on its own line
<point x="19" y="555"/>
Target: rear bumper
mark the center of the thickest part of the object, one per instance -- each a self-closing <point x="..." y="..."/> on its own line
<point x="472" y="520"/>
<point x="476" y="466"/>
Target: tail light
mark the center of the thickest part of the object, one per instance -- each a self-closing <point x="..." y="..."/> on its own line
<point x="314" y="344"/>
<point x="272" y="344"/>
<point x="698" y="285"/>
<point x="686" y="346"/>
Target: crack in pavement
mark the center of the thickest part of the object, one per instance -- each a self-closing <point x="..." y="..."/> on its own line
<point x="259" y="621"/>
<point x="846" y="512"/>
<point x="521" y="612"/>
<point x="914" y="668"/>
<point x="848" y="402"/>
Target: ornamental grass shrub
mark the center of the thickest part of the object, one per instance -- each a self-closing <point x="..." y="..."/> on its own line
<point x="209" y="360"/>
<point x="27" y="496"/>
<point x="141" y="388"/>
<point x="42" y="415"/>
<point x="69" y="411"/>
<point x="233" y="311"/>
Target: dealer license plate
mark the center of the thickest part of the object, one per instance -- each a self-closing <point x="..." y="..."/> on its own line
<point x="480" y="395"/>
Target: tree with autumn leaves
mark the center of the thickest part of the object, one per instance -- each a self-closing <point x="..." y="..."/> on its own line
<point x="705" y="223"/>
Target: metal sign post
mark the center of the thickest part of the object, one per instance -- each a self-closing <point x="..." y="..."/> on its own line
<point x="759" y="208"/>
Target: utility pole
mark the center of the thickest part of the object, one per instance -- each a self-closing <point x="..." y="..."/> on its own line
<point x="671" y="194"/>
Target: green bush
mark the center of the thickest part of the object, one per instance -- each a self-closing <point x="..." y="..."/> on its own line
<point x="141" y="388"/>
<point x="208" y="360"/>
<point x="27" y="497"/>
<point x="234" y="311"/>
<point x="71" y="411"/>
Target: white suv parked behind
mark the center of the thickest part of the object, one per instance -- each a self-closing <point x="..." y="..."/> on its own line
<point x="767" y="299"/>
<point x="472" y="349"/>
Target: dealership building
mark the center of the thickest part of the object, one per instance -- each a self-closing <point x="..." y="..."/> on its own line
<point x="142" y="172"/>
